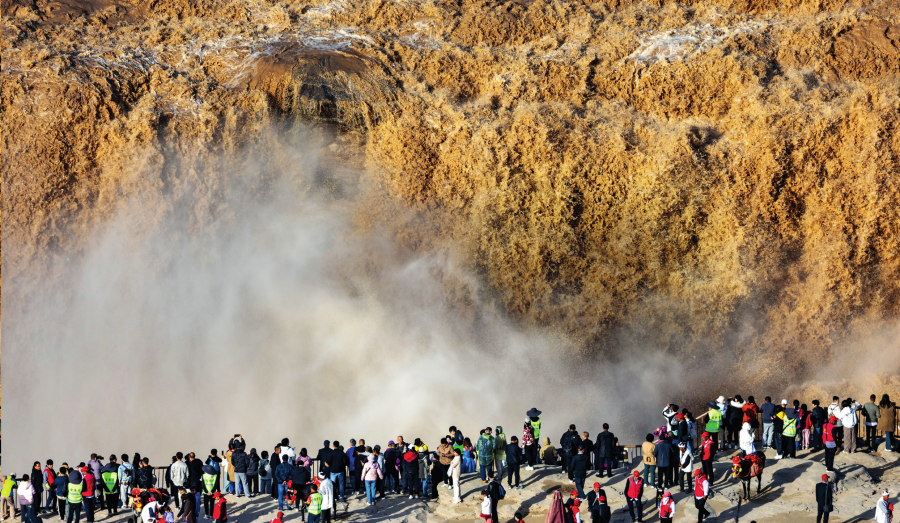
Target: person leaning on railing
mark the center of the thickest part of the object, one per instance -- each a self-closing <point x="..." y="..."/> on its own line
<point x="887" y="421"/>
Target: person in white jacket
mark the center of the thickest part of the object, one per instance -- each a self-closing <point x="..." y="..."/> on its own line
<point x="25" y="491"/>
<point x="685" y="465"/>
<point x="486" y="505"/>
<point x="882" y="508"/>
<point x="848" y="420"/>
<point x="746" y="441"/>
<point x="455" y="469"/>
<point x="326" y="489"/>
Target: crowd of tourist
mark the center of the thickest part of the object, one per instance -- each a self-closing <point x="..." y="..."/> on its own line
<point x="199" y="487"/>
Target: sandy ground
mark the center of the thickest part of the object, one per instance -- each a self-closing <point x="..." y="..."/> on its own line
<point x="787" y="496"/>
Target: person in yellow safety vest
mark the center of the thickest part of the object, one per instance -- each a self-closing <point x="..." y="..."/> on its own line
<point x="535" y="416"/>
<point x="9" y="483"/>
<point x="209" y="487"/>
<point x="714" y="424"/>
<point x="788" y="433"/>
<point x="74" y="497"/>
<point x="315" y="504"/>
<point x="109" y="476"/>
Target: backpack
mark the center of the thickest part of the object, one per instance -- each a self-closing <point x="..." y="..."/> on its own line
<point x="501" y="490"/>
<point x="214" y="464"/>
<point x="128" y="475"/>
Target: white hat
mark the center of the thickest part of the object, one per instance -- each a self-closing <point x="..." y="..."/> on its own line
<point x="721" y="399"/>
<point x="784" y="402"/>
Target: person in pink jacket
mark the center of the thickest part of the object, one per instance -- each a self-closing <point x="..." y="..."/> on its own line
<point x="371" y="473"/>
<point x="26" y="500"/>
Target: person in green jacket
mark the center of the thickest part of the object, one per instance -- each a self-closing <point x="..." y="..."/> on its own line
<point x="714" y="424"/>
<point x="9" y="483"/>
<point x="315" y="504"/>
<point x="871" y="413"/>
<point x="499" y="452"/>
<point x="484" y="447"/>
<point x="534" y="416"/>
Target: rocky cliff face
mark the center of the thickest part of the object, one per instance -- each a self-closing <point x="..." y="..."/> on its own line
<point x="689" y="176"/>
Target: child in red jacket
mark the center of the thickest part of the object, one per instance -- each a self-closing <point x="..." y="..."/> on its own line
<point x="220" y="511"/>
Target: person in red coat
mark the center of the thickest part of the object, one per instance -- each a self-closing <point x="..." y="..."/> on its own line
<point x="220" y="511"/>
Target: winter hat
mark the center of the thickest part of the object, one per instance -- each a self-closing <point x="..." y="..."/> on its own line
<point x="825" y="477"/>
<point x="721" y="399"/>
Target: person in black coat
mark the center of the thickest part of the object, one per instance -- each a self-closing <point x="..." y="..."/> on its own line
<point x="514" y="460"/>
<point x="603" y="512"/>
<point x="593" y="501"/>
<point x="144" y="475"/>
<point x="300" y="477"/>
<point x="666" y="459"/>
<point x="588" y="448"/>
<point x="604" y="450"/>
<point x="824" y="499"/>
<point x="410" y="465"/>
<point x="188" y="510"/>
<point x="579" y="470"/>
<point x="323" y="454"/>
<point x="569" y="442"/>
<point x="391" y="474"/>
<point x="494" y="488"/>
<point x="195" y="472"/>
<point x="818" y="420"/>
<point x="274" y="461"/>
<point x="337" y="463"/>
